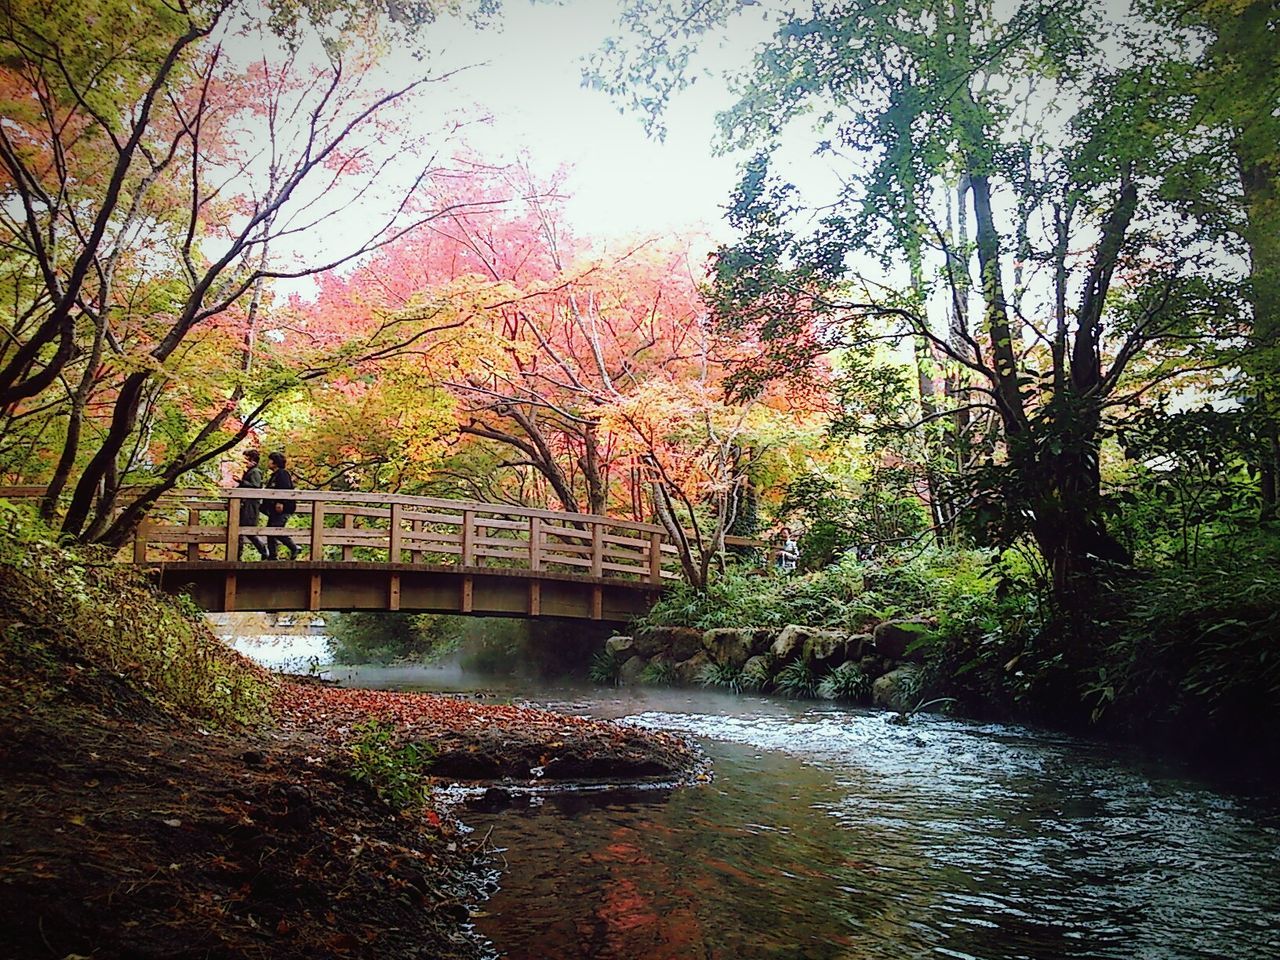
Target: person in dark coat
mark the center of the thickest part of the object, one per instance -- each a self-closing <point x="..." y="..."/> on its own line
<point x="250" y="506"/>
<point x="279" y="511"/>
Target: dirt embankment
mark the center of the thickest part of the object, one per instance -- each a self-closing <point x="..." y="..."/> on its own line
<point x="150" y="838"/>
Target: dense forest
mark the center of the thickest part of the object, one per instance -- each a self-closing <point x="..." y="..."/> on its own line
<point x="1008" y="362"/>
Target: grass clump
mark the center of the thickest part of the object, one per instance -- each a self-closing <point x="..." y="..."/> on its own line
<point x="75" y="622"/>
<point x="757" y="673"/>
<point x="605" y="669"/>
<point x="723" y="675"/>
<point x="797" y="680"/>
<point x="846" y="682"/>
<point x="659" y="673"/>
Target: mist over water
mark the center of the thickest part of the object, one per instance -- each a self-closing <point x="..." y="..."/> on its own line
<point x="830" y="833"/>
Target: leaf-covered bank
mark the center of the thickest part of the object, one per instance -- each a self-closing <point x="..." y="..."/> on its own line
<point x="164" y="797"/>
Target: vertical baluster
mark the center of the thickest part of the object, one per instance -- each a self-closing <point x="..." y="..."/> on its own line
<point x="655" y="558"/>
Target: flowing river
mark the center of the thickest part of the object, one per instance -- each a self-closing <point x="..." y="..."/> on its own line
<point x="828" y="832"/>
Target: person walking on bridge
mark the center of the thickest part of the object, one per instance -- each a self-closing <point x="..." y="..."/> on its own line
<point x="249" y="506"/>
<point x="279" y="511"/>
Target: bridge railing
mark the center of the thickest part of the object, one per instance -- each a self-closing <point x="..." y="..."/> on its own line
<point x="333" y="526"/>
<point x="387" y="528"/>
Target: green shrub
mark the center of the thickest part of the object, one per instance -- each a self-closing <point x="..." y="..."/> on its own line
<point x="721" y="675"/>
<point x="1195" y="647"/>
<point x="74" y="620"/>
<point x="797" y="680"/>
<point x="396" y="771"/>
<point x="846" y="682"/>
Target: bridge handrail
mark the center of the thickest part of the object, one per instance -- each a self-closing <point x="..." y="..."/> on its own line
<point x="530" y="537"/>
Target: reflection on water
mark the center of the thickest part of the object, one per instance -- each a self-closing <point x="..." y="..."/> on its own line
<point x="829" y="833"/>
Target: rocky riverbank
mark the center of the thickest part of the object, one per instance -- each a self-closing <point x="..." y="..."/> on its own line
<point x="882" y="666"/>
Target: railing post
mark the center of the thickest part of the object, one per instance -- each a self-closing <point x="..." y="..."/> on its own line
<point x="140" y="543"/>
<point x="317" y="532"/>
<point x="348" y="523"/>
<point x="535" y="543"/>
<point x="233" y="530"/>
<point x="393" y="550"/>
<point x="655" y="558"/>
<point x="468" y="538"/>
<point x="193" y="521"/>
<point x="597" y="549"/>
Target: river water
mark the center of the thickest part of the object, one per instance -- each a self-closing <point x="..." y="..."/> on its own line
<point x="830" y="833"/>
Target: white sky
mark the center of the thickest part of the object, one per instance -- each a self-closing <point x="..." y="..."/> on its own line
<point x="529" y="80"/>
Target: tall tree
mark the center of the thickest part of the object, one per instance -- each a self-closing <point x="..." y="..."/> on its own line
<point x="1057" y="151"/>
<point x="155" y="179"/>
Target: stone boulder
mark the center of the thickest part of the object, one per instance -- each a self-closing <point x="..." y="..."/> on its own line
<point x="860" y="644"/>
<point x="677" y="643"/>
<point x="756" y="671"/>
<point x="728" y="646"/>
<point x="825" y="648"/>
<point x="789" y="644"/>
<point x="687" y="671"/>
<point x="620" y="647"/>
<point x="898" y="689"/>
<point x="629" y="673"/>
<point x="893" y="637"/>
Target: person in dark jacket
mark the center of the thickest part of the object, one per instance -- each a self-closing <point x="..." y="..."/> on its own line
<point x="279" y="511"/>
<point x="250" y="506"/>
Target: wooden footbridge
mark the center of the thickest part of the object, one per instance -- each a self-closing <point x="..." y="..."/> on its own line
<point x="367" y="551"/>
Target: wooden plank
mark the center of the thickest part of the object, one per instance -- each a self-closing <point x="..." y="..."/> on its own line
<point x="313" y="597"/>
<point x="140" y="542"/>
<point x="393" y="549"/>
<point x="655" y="557"/>
<point x="317" y="535"/>
<point x="229" y="593"/>
<point x="609" y="539"/>
<point x="393" y="594"/>
<point x="535" y="544"/>
<point x="468" y="593"/>
<point x="415" y="527"/>
<point x="468" y="535"/>
<point x="535" y="597"/>
<point x="597" y="602"/>
<point x="513" y="542"/>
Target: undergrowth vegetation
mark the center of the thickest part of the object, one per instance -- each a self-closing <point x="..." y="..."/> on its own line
<point x="395" y="770"/>
<point x="75" y="622"/>
<point x="1175" y="652"/>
